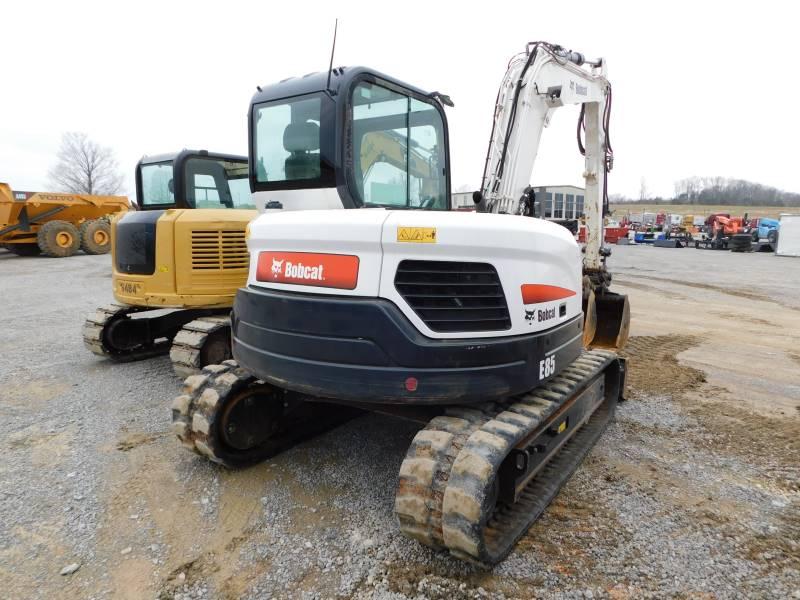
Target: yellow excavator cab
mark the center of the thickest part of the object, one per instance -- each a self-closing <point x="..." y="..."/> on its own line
<point x="185" y="247"/>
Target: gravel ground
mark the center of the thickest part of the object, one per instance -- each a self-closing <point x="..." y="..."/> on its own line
<point x="691" y="492"/>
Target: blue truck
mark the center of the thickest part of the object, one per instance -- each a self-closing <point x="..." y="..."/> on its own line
<point x="765" y="234"/>
<point x="767" y="229"/>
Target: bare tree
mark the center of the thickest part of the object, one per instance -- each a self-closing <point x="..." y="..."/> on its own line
<point x="85" y="167"/>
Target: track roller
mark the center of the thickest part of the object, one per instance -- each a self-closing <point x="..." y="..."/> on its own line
<point x="233" y="419"/>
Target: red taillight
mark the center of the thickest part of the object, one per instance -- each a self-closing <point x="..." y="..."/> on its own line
<point x="411" y="384"/>
<point x="535" y="293"/>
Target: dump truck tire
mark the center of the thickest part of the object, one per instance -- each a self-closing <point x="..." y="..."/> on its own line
<point x="23" y="249"/>
<point x="58" y="239"/>
<point x="96" y="236"/>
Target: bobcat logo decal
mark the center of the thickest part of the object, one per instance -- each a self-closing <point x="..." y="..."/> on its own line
<point x="308" y="268"/>
<point x="540" y="314"/>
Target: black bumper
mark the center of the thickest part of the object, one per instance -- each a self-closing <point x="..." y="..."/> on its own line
<point x="365" y="350"/>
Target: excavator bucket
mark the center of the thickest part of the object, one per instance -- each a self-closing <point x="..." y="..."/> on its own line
<point x="613" y="321"/>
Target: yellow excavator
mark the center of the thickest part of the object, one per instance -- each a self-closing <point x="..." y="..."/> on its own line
<point x="183" y="250"/>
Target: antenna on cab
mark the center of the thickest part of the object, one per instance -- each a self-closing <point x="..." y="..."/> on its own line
<point x="333" y="49"/>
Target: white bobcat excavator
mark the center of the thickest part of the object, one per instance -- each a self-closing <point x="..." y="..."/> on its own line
<point x="471" y="324"/>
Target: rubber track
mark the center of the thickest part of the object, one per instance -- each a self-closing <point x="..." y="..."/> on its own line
<point x="188" y="343"/>
<point x="95" y="325"/>
<point x="445" y="495"/>
<point x="194" y="412"/>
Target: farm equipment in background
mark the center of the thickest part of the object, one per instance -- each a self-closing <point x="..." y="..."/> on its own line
<point x="645" y="236"/>
<point x="675" y="233"/>
<point x="183" y="250"/>
<point x="670" y="239"/>
<point x="660" y="229"/>
<point x="56" y="224"/>
<point x="673" y="222"/>
<point x="723" y="232"/>
<point x="691" y="224"/>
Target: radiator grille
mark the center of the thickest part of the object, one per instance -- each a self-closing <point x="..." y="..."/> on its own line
<point x="219" y="250"/>
<point x="454" y="296"/>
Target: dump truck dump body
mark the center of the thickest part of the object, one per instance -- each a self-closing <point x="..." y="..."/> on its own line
<point x="22" y="221"/>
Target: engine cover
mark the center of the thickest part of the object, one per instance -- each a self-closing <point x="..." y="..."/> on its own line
<point x="452" y="274"/>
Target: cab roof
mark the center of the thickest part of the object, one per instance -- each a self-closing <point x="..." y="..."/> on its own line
<point x="173" y="156"/>
<point x="341" y="77"/>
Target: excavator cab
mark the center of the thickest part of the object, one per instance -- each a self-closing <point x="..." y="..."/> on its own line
<point x="192" y="179"/>
<point x="354" y="139"/>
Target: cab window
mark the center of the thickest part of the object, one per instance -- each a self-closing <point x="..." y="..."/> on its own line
<point x="213" y="183"/>
<point x="287" y="140"/>
<point x="157" y="185"/>
<point x="398" y="146"/>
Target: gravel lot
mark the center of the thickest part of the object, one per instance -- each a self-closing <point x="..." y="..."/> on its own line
<point x="694" y="491"/>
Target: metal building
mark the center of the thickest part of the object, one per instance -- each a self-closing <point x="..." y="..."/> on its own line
<point x="559" y="202"/>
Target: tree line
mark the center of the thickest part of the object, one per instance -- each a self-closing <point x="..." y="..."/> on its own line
<point x="719" y="190"/>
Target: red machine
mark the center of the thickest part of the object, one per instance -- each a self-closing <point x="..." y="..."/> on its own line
<point x="611" y="234"/>
<point x="721" y="230"/>
<point x="725" y="223"/>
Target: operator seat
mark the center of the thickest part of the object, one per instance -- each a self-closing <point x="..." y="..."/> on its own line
<point x="301" y="140"/>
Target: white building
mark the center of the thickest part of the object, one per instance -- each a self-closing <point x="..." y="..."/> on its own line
<point x="557" y="201"/>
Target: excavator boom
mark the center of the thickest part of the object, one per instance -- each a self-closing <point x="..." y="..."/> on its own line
<point x="538" y="81"/>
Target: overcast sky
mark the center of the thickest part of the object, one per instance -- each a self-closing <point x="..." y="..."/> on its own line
<point x="700" y="88"/>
